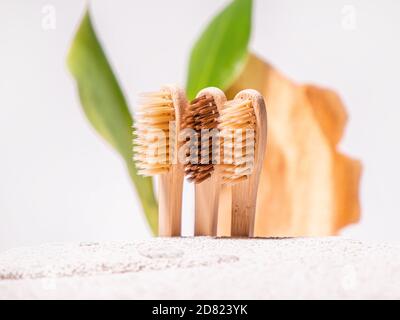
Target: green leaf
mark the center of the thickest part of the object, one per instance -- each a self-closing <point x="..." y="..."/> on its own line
<point x="220" y="54"/>
<point x="105" y="107"/>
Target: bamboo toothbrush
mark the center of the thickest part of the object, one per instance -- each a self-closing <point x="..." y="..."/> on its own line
<point x="158" y="124"/>
<point x="202" y="114"/>
<point x="245" y="149"/>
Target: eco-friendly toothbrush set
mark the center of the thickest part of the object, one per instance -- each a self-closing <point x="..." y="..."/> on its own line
<point x="217" y="144"/>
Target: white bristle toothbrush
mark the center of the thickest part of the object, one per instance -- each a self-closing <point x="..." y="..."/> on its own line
<point x="158" y="123"/>
<point x="243" y="126"/>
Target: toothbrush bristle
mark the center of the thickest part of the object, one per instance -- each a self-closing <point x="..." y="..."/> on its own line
<point x="237" y="124"/>
<point x="151" y="130"/>
<point x="202" y="114"/>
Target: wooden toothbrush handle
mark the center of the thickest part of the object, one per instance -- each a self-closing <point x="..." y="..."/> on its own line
<point x="244" y="194"/>
<point x="213" y="207"/>
<point x="224" y="215"/>
<point x="206" y="206"/>
<point x="207" y="193"/>
<point x="170" y="202"/>
<point x="244" y="207"/>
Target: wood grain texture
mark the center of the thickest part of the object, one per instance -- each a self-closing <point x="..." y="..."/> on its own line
<point x="244" y="194"/>
<point x="224" y="219"/>
<point x="307" y="187"/>
<point x="171" y="183"/>
<point x="207" y="192"/>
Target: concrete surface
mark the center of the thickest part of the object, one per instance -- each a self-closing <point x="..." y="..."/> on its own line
<point x="203" y="268"/>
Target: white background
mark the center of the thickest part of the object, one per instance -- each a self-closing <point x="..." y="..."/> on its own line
<point x="60" y="182"/>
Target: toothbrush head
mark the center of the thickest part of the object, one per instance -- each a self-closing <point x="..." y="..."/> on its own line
<point x="201" y="115"/>
<point x="237" y="124"/>
<point x="152" y="147"/>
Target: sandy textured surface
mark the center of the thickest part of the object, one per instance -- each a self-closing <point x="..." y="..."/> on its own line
<point x="203" y="268"/>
